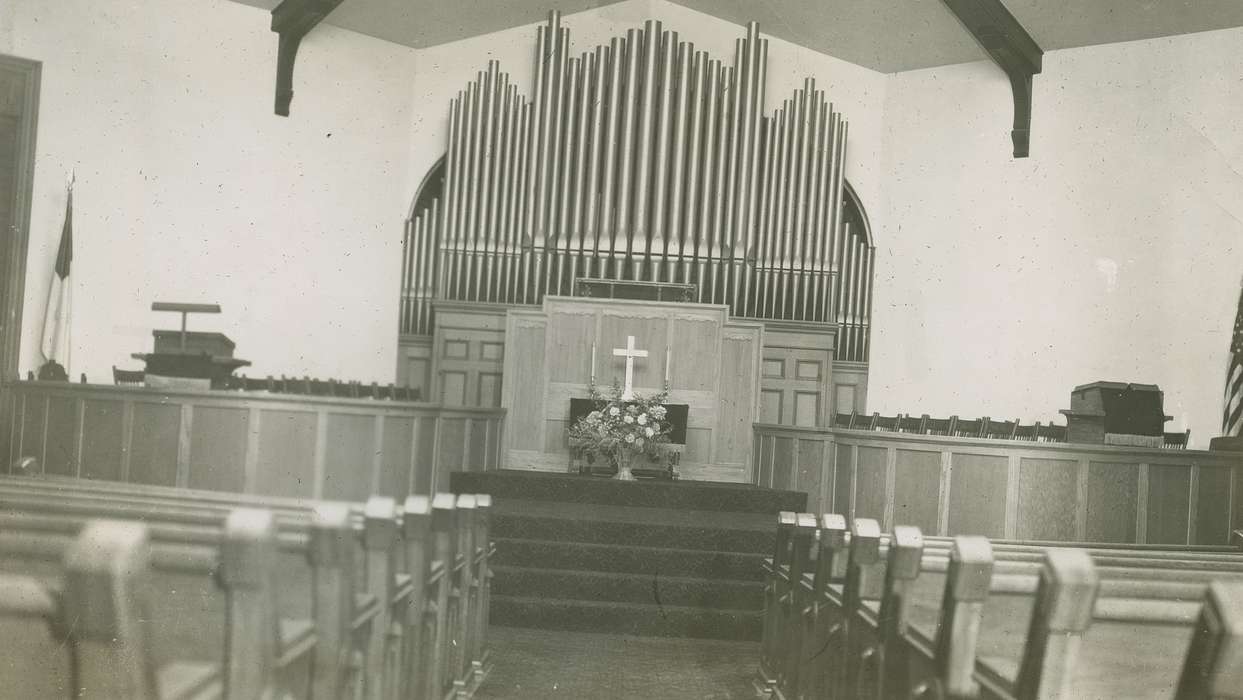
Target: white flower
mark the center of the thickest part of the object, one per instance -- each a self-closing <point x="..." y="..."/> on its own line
<point x="629" y="419"/>
<point x="642" y="419"/>
<point x="613" y="411"/>
<point x="629" y="438"/>
<point x="650" y="432"/>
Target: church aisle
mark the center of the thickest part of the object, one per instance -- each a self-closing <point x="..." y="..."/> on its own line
<point x="534" y="663"/>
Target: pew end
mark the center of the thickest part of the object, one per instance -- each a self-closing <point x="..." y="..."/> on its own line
<point x="1214" y="664"/>
<point x="1065" y="596"/>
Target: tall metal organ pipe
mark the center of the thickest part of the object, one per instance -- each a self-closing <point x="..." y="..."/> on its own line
<point x="643" y="159"/>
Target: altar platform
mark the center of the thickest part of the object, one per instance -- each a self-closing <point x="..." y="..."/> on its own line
<point x="663" y="558"/>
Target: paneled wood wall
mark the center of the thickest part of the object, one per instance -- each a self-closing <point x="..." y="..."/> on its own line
<point x="1008" y="490"/>
<point x="280" y="445"/>
<point x="711" y="362"/>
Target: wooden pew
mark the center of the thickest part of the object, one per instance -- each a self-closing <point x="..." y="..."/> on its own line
<point x="100" y="609"/>
<point x="368" y="567"/>
<point x="864" y="635"/>
<point x="776" y="591"/>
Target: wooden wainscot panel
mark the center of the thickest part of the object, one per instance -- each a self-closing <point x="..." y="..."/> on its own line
<point x="783" y="463"/>
<point x="396" y="457"/>
<point x="451" y="449"/>
<point x="286" y="461"/>
<point x="34" y="413"/>
<point x="102" y="439"/>
<point x="523" y="390"/>
<point x="1048" y="496"/>
<point x="349" y="454"/>
<point x="870" y="483"/>
<point x="763" y="467"/>
<point x="737" y="399"/>
<point x="811" y="472"/>
<point x="1169" y="498"/>
<point x="1212" y="521"/>
<point x="694" y="361"/>
<point x="843" y="479"/>
<point x="570" y="336"/>
<point x="218" y="444"/>
<point x="154" y="440"/>
<point x="61" y="451"/>
<point x="479" y="438"/>
<point x="977" y="488"/>
<point x="424" y="455"/>
<point x="917" y="481"/>
<point x="698" y="445"/>
<point x="1113" y="500"/>
<point x="555" y="437"/>
<point x="650" y="331"/>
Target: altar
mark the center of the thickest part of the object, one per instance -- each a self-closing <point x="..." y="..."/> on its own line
<point x="709" y="363"/>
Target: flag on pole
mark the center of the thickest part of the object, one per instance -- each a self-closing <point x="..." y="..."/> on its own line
<point x="56" y="321"/>
<point x="1232" y="415"/>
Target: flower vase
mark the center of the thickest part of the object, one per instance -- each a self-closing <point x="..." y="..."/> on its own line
<point x="623" y="468"/>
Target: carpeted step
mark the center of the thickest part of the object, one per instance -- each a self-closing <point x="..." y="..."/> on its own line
<point x="665" y="561"/>
<point x="677" y="495"/>
<point x="561" y="528"/>
<point x="624" y="618"/>
<point x="522" y="582"/>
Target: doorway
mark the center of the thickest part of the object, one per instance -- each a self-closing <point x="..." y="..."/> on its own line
<point x="19" y="106"/>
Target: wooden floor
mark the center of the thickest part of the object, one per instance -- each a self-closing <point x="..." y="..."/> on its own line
<point x="534" y="663"/>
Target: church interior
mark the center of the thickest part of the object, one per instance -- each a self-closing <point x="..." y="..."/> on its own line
<point x="621" y="348"/>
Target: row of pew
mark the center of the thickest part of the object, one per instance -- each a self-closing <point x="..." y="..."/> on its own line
<point x="851" y="612"/>
<point x="123" y="591"/>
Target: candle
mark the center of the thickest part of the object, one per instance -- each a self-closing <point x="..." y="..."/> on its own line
<point x="592" y="370"/>
<point x="668" y="359"/>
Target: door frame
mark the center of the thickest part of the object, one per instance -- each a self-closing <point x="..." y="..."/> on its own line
<point x="16" y="244"/>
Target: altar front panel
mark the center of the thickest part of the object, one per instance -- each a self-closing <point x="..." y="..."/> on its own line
<point x="711" y="364"/>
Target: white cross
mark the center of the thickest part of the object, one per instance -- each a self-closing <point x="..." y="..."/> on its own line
<point x="629" y="353"/>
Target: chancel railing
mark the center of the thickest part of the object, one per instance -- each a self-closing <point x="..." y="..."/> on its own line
<point x="964" y="482"/>
<point x="644" y="160"/>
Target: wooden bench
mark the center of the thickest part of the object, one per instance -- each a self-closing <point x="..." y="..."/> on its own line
<point x="395" y="598"/>
<point x="851" y="613"/>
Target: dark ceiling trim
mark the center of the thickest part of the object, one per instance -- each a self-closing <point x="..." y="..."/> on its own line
<point x="1012" y="49"/>
<point x="292" y="20"/>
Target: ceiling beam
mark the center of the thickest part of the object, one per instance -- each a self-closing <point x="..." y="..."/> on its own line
<point x="1012" y="49"/>
<point x="292" y="20"/>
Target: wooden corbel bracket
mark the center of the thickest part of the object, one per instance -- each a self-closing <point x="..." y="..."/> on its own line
<point x="1012" y="49"/>
<point x="292" y="20"/>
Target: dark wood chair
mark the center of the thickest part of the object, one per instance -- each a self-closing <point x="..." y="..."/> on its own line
<point x="128" y="377"/>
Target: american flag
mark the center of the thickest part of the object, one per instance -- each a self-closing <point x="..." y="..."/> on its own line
<point x="1232" y="415"/>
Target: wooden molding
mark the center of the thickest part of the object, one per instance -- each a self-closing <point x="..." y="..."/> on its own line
<point x="19" y="98"/>
<point x="1012" y="49"/>
<point x="292" y="20"/>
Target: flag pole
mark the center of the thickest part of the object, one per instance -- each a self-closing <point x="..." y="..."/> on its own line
<point x="73" y="178"/>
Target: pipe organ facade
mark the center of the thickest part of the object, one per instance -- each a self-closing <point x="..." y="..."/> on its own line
<point x="650" y="162"/>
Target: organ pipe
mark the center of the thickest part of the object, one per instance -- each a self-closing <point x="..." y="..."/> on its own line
<point x="643" y="159"/>
<point x="673" y="244"/>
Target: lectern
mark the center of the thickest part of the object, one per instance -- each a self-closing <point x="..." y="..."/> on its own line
<point x="189" y="359"/>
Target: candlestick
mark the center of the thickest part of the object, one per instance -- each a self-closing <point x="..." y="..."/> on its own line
<point x="592" y="371"/>
<point x="668" y="359"/>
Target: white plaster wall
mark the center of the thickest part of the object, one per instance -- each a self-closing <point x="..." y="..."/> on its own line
<point x="189" y="188"/>
<point x="855" y="91"/>
<point x="1114" y="252"/>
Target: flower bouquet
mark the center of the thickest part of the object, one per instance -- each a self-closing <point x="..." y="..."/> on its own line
<point x="623" y="432"/>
